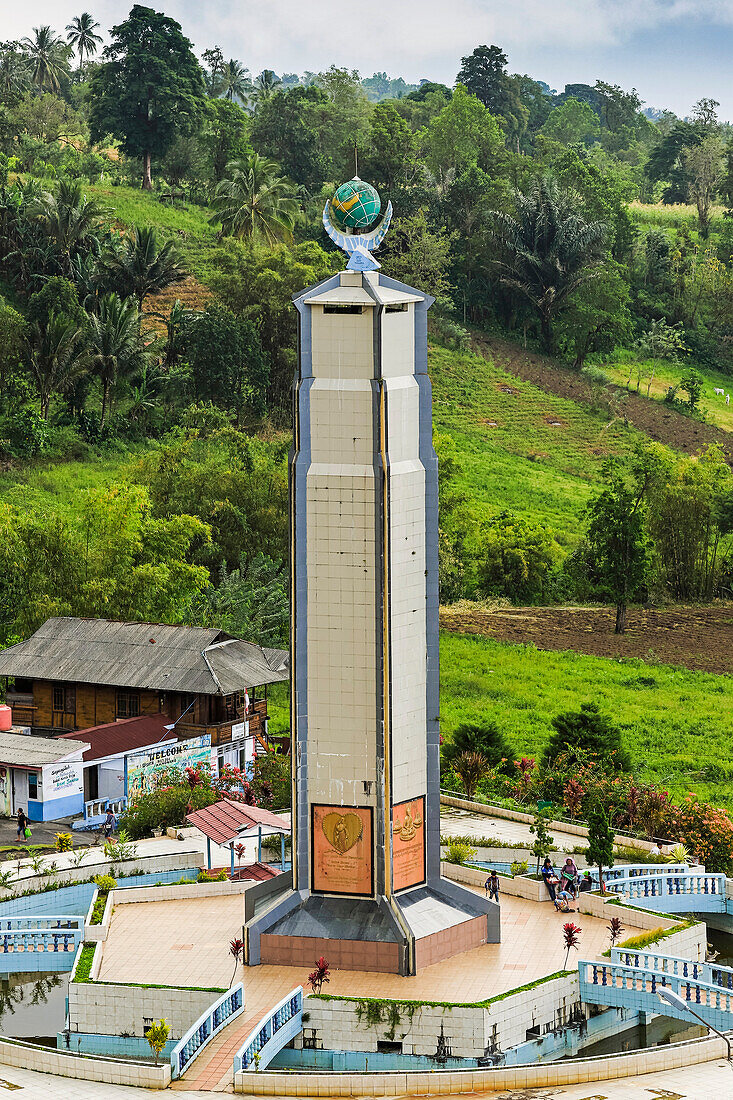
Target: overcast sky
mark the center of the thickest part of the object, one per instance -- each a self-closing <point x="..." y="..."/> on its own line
<point x="672" y="51"/>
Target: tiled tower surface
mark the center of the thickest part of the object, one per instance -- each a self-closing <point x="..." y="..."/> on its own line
<point x="366" y="885"/>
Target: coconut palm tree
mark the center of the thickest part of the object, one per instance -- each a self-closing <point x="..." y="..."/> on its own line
<point x="69" y="218"/>
<point x="15" y="73"/>
<point x="81" y="37"/>
<point x="140" y="265"/>
<point x="255" y="202"/>
<point x="235" y="84"/>
<point x="49" y="58"/>
<point x="547" y="250"/>
<point x="114" y="345"/>
<point x="55" y="356"/>
<point x="266" y="85"/>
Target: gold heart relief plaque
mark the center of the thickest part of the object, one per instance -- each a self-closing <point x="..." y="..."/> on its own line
<point x="342" y="831"/>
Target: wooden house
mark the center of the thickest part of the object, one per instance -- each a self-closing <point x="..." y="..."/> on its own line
<point x="73" y="674"/>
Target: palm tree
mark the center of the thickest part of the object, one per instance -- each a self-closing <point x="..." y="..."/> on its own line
<point x="235" y="84"/>
<point x="15" y="73"/>
<point x="81" y="36"/>
<point x="49" y="58"/>
<point x="68" y="217"/>
<point x="266" y="84"/>
<point x="547" y="250"/>
<point x="255" y="202"/>
<point x="140" y="265"/>
<point x="115" y="347"/>
<point x="55" y="355"/>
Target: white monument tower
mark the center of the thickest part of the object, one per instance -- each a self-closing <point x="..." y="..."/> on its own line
<point x="366" y="886"/>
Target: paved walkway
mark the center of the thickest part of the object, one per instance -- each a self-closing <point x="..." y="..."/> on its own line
<point x="455" y="822"/>
<point x="703" y="1082"/>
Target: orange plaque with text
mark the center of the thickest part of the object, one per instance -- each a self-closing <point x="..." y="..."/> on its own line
<point x="342" y="850"/>
<point x="408" y="844"/>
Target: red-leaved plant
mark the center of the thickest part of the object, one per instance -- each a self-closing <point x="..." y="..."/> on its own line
<point x="236" y="950"/>
<point x="571" y="938"/>
<point x="319" y="975"/>
<point x="615" y="929"/>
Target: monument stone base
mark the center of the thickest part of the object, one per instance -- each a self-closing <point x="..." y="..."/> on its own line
<point x="416" y="929"/>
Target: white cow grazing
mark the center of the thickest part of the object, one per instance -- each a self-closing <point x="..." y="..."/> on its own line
<point x="727" y="399"/>
<point x="719" y="393"/>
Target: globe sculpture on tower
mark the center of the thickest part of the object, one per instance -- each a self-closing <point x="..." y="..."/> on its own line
<point x="366" y="889"/>
<point x="349" y="219"/>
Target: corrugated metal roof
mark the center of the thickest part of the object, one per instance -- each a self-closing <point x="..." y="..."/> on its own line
<point x="33" y="752"/>
<point x="150" y="656"/>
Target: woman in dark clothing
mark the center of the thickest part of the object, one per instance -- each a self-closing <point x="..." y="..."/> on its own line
<point x="22" y="823"/>
<point x="549" y="875"/>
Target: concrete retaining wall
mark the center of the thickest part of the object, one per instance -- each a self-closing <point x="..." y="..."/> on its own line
<point x="97" y="865"/>
<point x="109" y="1008"/>
<point x="179" y="892"/>
<point x="450" y="1082"/>
<point x="528" y="819"/>
<point x="45" y="1060"/>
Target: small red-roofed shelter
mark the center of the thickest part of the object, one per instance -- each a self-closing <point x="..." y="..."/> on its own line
<point x="226" y="822"/>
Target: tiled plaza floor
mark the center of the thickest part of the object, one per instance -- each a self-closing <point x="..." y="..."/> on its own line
<point x="187" y="943"/>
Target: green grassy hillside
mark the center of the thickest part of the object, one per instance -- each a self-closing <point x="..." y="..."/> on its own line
<point x="676" y="724"/>
<point x="520" y="448"/>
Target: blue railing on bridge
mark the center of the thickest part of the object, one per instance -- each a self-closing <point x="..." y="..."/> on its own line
<point x="636" y="988"/>
<point x="39" y="943"/>
<point x="216" y="1017"/>
<point x="673" y="892"/>
<point x="644" y="870"/>
<point x="710" y="973"/>
<point x="274" y="1031"/>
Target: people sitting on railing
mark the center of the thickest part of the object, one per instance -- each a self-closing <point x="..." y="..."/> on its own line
<point x="549" y="874"/>
<point x="586" y="883"/>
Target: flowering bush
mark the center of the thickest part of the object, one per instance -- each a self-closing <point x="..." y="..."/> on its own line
<point x="179" y="792"/>
<point x="707" y="832"/>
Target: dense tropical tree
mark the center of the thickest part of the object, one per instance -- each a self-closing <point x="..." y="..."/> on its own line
<point x="140" y="265"/>
<point x="616" y="536"/>
<point x="80" y="34"/>
<point x="547" y="250"/>
<point x="255" y="202"/>
<point x="15" y="72"/>
<point x="148" y="89"/>
<point x="69" y="218"/>
<point x="54" y="355"/>
<point x="234" y="81"/>
<point x="265" y="85"/>
<point x="114" y="345"/>
<point x="49" y="58"/>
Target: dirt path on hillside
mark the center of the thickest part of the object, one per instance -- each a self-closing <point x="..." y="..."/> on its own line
<point x="699" y="638"/>
<point x="655" y="419"/>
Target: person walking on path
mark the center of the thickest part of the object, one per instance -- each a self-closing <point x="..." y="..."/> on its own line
<point x="492" y="886"/>
<point x="22" y="823"/>
<point x="109" y="824"/>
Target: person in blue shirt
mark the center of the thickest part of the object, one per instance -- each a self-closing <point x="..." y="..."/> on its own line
<point x="550" y="877"/>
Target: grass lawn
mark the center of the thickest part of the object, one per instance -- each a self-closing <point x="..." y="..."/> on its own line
<point x="55" y="487"/>
<point x="520" y="448"/>
<point x="675" y="723"/>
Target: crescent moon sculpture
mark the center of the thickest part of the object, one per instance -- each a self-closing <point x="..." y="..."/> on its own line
<point x="358" y="246"/>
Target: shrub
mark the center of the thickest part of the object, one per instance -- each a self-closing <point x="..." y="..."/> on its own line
<point x="64" y="842"/>
<point x="707" y="832"/>
<point x="519" y="867"/>
<point x="590" y="731"/>
<point x="486" y="738"/>
<point x="459" y="853"/>
<point x="105" y="883"/>
<point x="212" y="876"/>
